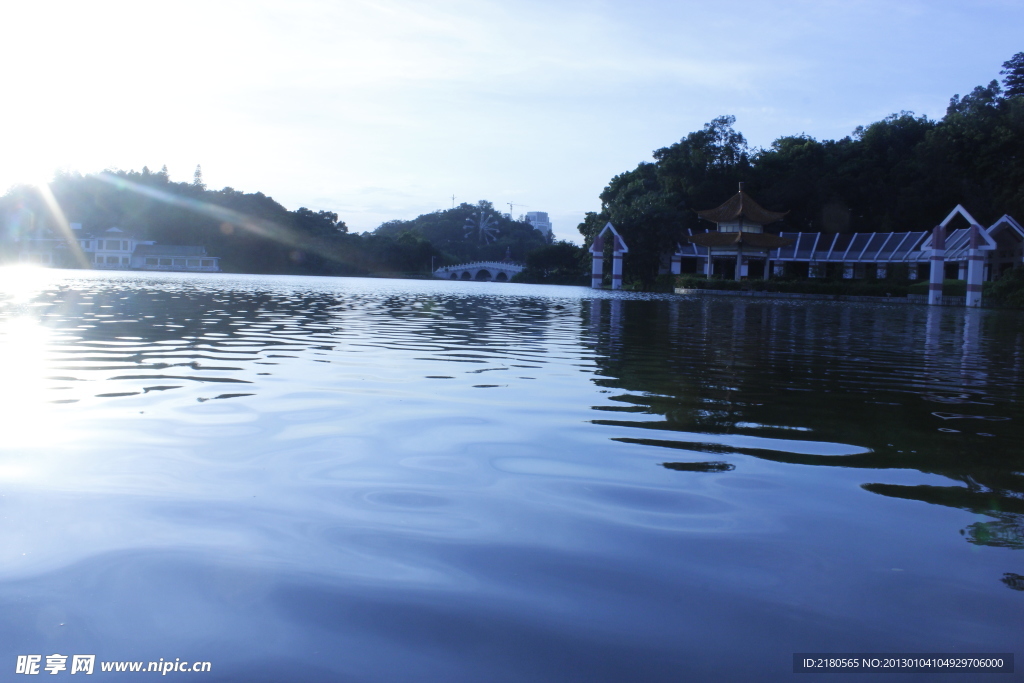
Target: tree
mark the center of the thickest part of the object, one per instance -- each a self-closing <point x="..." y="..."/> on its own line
<point x="560" y="263"/>
<point x="1013" y="73"/>
<point x="197" y="178"/>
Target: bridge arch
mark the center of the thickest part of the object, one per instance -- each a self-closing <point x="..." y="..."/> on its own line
<point x="483" y="274"/>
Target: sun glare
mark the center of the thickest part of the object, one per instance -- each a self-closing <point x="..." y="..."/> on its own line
<point x="26" y="413"/>
<point x="19" y="283"/>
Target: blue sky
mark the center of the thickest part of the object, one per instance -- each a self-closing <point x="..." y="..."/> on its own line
<point x="383" y="109"/>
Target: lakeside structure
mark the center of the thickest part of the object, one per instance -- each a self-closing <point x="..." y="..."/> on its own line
<point x="619" y="249"/>
<point x="972" y="253"/>
<point x="113" y="249"/>
<point x="739" y="235"/>
<point x="480" y="271"/>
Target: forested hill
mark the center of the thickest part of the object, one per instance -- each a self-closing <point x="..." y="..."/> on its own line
<point x="457" y="233"/>
<point x="905" y="172"/>
<point x="252" y="233"/>
<point x="255" y="234"/>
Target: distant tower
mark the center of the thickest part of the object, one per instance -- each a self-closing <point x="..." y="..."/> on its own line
<point x="539" y="221"/>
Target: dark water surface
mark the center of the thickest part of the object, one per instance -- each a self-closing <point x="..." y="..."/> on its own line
<point x="314" y="479"/>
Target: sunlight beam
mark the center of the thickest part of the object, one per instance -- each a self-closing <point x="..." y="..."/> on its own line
<point x="63" y="227"/>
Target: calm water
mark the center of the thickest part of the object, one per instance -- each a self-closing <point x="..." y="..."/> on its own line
<point x="313" y="479"/>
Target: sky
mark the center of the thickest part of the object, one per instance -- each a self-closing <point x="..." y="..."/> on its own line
<point x="384" y="109"/>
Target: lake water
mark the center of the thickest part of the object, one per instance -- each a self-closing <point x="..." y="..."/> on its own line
<point x="318" y="479"/>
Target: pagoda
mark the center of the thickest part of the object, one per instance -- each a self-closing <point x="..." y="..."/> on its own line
<point x="740" y="233"/>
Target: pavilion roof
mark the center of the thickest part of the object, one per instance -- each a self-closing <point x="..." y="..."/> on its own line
<point x="757" y="240"/>
<point x="741" y="205"/>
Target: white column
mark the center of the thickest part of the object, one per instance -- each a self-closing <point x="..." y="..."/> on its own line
<point x="597" y="269"/>
<point x="709" y="266"/>
<point x="961" y="272"/>
<point x="616" y="269"/>
<point x="738" y="273"/>
<point x="975" y="269"/>
<point x="767" y="268"/>
<point x="938" y="265"/>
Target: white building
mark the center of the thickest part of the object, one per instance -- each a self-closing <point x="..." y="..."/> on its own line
<point x="113" y="249"/>
<point x="539" y="220"/>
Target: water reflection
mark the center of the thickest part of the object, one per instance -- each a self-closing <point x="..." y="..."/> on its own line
<point x="937" y="390"/>
<point x="459" y="479"/>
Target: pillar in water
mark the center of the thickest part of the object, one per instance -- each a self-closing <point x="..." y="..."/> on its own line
<point x="938" y="265"/>
<point x="975" y="269"/>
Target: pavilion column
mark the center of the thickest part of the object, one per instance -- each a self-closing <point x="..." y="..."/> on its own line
<point x="961" y="272"/>
<point x="709" y="267"/>
<point x="975" y="269"/>
<point x="767" y="267"/>
<point x="597" y="268"/>
<point x="938" y="265"/>
<point x="617" y="269"/>
<point x="597" y="271"/>
<point x="738" y="275"/>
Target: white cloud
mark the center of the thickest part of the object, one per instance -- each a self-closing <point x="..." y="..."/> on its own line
<point x="382" y="109"/>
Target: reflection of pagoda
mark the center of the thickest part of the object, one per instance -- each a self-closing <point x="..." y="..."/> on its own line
<point x="740" y="234"/>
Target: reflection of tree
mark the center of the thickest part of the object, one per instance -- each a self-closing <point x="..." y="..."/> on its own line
<point x="1006" y="531"/>
<point x="699" y="466"/>
<point x="885" y="379"/>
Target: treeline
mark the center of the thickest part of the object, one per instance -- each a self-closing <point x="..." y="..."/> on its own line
<point x="905" y="172"/>
<point x="469" y="232"/>
<point x="253" y="233"/>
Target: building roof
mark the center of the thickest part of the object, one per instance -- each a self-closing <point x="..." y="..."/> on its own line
<point x="756" y="240"/>
<point x="168" y="250"/>
<point x="741" y="205"/>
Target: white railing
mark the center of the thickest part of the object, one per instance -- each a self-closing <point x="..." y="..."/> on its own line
<point x="495" y="265"/>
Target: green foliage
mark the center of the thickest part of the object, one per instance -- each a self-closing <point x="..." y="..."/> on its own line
<point x="561" y="263"/>
<point x="1013" y="75"/>
<point x="949" y="288"/>
<point x="447" y="231"/>
<point x="879" y="288"/>
<point x="1008" y="290"/>
<point x="904" y="172"/>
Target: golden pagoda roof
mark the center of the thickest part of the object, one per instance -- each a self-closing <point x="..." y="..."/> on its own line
<point x="742" y="205"/>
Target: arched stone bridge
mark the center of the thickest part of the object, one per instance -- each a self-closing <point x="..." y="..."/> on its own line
<point x="480" y="271"/>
